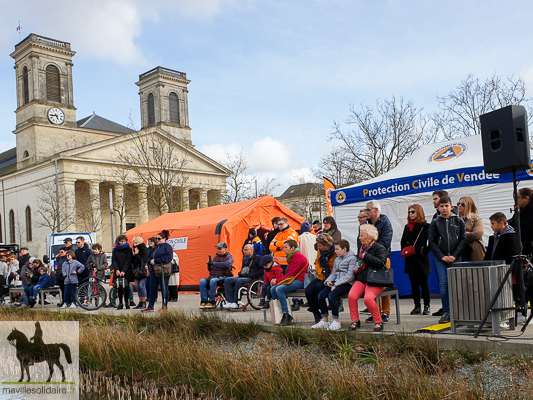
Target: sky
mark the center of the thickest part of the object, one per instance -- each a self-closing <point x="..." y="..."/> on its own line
<point x="270" y="77"/>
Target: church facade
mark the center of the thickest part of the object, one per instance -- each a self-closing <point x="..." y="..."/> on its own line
<point x="92" y="174"/>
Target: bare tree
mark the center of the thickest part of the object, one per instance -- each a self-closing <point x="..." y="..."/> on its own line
<point x="156" y="163"/>
<point x="381" y="137"/>
<point x="459" y="111"/>
<point x="267" y="187"/>
<point x="240" y="183"/>
<point x="52" y="212"/>
<point x="336" y="167"/>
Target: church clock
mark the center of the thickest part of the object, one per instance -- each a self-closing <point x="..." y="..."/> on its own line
<point x="56" y="116"/>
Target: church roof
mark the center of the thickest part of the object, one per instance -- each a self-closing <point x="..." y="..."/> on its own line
<point x="98" y="123"/>
<point x="8" y="161"/>
<point x="301" y="190"/>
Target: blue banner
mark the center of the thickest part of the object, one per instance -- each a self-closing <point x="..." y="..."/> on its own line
<point x="444" y="180"/>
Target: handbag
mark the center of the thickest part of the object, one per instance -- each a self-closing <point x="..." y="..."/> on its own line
<point x="308" y="277"/>
<point x="139" y="273"/>
<point x="120" y="283"/>
<point x="159" y="269"/>
<point x="381" y="277"/>
<point x="410" y="250"/>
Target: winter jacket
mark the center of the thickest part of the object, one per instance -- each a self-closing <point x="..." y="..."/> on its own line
<point x="343" y="270"/>
<point x="23" y="260"/>
<point x="259" y="249"/>
<point x="222" y="266"/>
<point x="420" y="263"/>
<point x="270" y="236"/>
<point x="98" y="262"/>
<point x="375" y="258"/>
<point x="162" y="254"/>
<point x="297" y="267"/>
<point x="23" y="301"/>
<point x="82" y="255"/>
<point x="276" y="245"/>
<point x="526" y="228"/>
<point x="256" y="270"/>
<point x="306" y="244"/>
<point x="60" y="261"/>
<point x="330" y="257"/>
<point x="44" y="281"/>
<point x="30" y="281"/>
<point x="24" y="271"/>
<point x="384" y="228"/>
<point x="3" y="269"/>
<point x="13" y="267"/>
<point x="335" y="234"/>
<point x="447" y="236"/>
<point x="140" y="259"/>
<point x="121" y="261"/>
<point x="274" y="273"/>
<point x="474" y="235"/>
<point x="503" y="246"/>
<point x="67" y="269"/>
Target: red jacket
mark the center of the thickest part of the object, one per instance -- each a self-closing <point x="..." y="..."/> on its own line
<point x="275" y="273"/>
<point x="297" y="267"/>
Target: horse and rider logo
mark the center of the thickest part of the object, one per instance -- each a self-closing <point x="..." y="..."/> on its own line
<point x="35" y="351"/>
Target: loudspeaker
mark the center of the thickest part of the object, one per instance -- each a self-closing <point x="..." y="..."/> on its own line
<point x="505" y="139"/>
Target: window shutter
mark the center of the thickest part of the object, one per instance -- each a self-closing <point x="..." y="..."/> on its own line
<point x="53" y="92"/>
<point x="151" y="111"/>
<point x="174" y="108"/>
<point x="25" y="88"/>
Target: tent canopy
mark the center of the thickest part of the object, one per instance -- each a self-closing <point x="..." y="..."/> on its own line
<point x="194" y="234"/>
<point x="455" y="166"/>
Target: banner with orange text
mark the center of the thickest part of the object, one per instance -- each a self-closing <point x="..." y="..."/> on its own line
<point x="328" y="187"/>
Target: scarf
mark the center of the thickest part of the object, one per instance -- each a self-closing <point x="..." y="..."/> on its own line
<point x="289" y="256"/>
<point x="360" y="259"/>
<point x="122" y="246"/>
<point x="412" y="225"/>
<point x="324" y="261"/>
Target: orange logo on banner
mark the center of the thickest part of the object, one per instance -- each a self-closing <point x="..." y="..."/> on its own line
<point x="448" y="152"/>
<point x="329" y="187"/>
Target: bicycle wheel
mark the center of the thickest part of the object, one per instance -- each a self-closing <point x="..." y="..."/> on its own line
<point x="254" y="293"/>
<point x="91" y="296"/>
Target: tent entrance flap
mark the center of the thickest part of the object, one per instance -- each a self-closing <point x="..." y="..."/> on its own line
<point x="218" y="229"/>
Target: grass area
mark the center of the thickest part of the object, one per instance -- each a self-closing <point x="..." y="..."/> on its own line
<point x="205" y="353"/>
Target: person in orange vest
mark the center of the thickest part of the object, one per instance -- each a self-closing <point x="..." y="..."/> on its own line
<point x="317" y="228"/>
<point x="276" y="245"/>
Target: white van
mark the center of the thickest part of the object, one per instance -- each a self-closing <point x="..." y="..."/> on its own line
<point x="55" y="241"/>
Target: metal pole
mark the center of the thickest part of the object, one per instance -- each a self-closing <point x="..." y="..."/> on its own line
<point x="111" y="211"/>
<point x="4" y="206"/>
<point x="58" y="213"/>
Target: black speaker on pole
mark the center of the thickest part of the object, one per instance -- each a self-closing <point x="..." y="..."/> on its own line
<point x="505" y="139"/>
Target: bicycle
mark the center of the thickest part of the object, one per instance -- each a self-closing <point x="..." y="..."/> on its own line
<point x="91" y="295"/>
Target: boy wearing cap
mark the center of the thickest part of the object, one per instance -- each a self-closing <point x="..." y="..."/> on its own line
<point x="272" y="271"/>
<point x="219" y="269"/>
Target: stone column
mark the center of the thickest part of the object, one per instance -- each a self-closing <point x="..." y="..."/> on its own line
<point x="96" y="214"/>
<point x="120" y="207"/>
<point x="143" y="204"/>
<point x="185" y="199"/>
<point x="69" y="217"/>
<point x="203" y="197"/>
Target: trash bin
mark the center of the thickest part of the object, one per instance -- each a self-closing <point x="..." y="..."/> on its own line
<point x="471" y="287"/>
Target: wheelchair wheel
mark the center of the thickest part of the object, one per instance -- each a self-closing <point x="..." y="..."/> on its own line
<point x="254" y="293"/>
<point x="220" y="300"/>
<point x="91" y="296"/>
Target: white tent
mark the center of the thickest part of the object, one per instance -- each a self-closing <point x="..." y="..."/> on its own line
<point x="455" y="166"/>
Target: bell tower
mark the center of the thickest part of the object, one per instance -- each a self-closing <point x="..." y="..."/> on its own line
<point x="163" y="94"/>
<point x="45" y="98"/>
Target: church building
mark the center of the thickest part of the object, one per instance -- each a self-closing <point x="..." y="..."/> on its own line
<point x="73" y="175"/>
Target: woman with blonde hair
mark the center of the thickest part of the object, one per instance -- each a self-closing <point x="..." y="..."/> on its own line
<point x="140" y="270"/>
<point x="415" y="250"/>
<point x="474" y="249"/>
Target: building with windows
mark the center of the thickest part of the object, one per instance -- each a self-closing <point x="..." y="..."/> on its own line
<point x="73" y="175"/>
<point x="307" y="200"/>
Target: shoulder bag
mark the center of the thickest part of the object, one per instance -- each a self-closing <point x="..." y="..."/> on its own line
<point x="410" y="250"/>
<point x="159" y="269"/>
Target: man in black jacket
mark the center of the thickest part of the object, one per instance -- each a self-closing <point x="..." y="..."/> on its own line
<point x="503" y="245"/>
<point x="447" y="239"/>
<point x="83" y="251"/>
<point x="251" y="269"/>
<point x="271" y="235"/>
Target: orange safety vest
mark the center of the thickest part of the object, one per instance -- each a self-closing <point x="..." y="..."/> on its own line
<point x="279" y="241"/>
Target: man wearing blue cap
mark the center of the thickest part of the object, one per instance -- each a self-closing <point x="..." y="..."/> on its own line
<point x="219" y="269"/>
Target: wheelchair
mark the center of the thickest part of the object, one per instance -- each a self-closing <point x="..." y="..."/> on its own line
<point x="249" y="295"/>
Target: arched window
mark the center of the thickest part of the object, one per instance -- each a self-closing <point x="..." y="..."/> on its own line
<point x="26" y="154"/>
<point x="151" y="109"/>
<point x="25" y="87"/>
<point x="53" y="88"/>
<point x="28" y="224"/>
<point x="174" y="108"/>
<point x="12" y="226"/>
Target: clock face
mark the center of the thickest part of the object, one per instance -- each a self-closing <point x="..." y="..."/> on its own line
<point x="56" y="116"/>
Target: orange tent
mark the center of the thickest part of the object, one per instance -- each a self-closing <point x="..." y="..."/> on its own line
<point x="194" y="234"/>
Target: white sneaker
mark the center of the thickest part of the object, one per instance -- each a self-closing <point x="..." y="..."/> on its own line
<point x="521" y="319"/>
<point x="334" y="326"/>
<point x="227" y="306"/>
<point x="321" y="325"/>
<point x="235" y="306"/>
<point x="64" y="305"/>
<point x="72" y="305"/>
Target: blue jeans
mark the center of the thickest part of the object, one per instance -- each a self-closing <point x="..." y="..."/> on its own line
<point x="279" y="293"/>
<point x="265" y="291"/>
<point x="333" y="297"/>
<point x="154" y="283"/>
<point x="442" y="274"/>
<point x="141" y="287"/>
<point x="70" y="293"/>
<point x="232" y="286"/>
<point x="28" y="290"/>
<point x="204" y="296"/>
